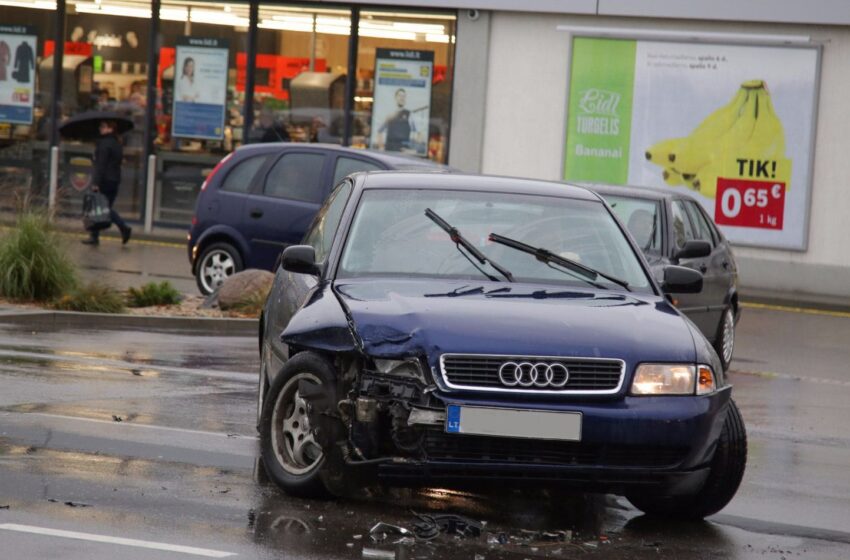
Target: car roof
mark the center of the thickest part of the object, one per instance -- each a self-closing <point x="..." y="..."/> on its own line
<point x="631" y="191"/>
<point x="465" y="182"/>
<point x="390" y="159"/>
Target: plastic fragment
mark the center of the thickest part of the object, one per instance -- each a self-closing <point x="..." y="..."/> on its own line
<point x="378" y="554"/>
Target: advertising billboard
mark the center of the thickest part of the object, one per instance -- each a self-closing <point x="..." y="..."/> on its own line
<point x="731" y="124"/>
<point x="18" y="45"/>
<point x="200" y="88"/>
<point x="401" y="111"/>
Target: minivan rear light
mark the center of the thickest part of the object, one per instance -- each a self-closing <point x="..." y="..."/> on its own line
<point x="214" y="171"/>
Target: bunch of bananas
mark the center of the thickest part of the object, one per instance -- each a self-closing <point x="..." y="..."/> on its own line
<point x="746" y="127"/>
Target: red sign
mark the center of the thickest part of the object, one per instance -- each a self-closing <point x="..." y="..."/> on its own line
<point x="71" y="47"/>
<point x="754" y="204"/>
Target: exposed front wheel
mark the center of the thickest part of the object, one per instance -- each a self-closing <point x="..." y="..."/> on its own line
<point x="218" y="262"/>
<point x="290" y="434"/>
<point x="727" y="470"/>
<point x="724" y="341"/>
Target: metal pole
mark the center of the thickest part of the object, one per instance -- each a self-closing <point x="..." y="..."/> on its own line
<point x="58" y="60"/>
<point x="250" y="71"/>
<point x="150" y="187"/>
<point x="351" y="78"/>
<point x="54" y="181"/>
<point x="150" y="107"/>
<point x="313" y="46"/>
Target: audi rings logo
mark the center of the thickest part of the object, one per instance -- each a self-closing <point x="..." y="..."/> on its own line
<point x="539" y="374"/>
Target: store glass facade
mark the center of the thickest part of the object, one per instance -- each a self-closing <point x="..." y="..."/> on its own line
<point x="199" y="79"/>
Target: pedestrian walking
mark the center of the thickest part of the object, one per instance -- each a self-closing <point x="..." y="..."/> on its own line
<point x="108" y="155"/>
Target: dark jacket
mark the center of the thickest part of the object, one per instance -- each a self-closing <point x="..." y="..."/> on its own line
<point x="108" y="154"/>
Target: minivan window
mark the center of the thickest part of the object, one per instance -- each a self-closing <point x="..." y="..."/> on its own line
<point x="296" y="177"/>
<point x="241" y="176"/>
<point x="346" y="166"/>
<point x="682" y="231"/>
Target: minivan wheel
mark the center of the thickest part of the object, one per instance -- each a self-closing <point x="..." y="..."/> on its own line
<point x="289" y="441"/>
<point x="218" y="262"/>
<point x="724" y="341"/>
<point x="724" y="477"/>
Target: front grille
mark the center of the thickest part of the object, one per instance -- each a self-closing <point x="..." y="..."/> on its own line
<point x="441" y="446"/>
<point x="481" y="372"/>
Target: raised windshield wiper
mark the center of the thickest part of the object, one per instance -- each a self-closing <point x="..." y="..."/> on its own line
<point x="652" y="233"/>
<point x="546" y="256"/>
<point x="461" y="241"/>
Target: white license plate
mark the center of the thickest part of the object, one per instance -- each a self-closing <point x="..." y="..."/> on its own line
<point x="509" y="422"/>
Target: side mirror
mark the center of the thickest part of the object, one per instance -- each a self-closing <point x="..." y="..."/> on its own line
<point x="694" y="250"/>
<point x="681" y="280"/>
<point x="300" y="259"/>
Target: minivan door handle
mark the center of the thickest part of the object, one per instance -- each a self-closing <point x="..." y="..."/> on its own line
<point x="256" y="213"/>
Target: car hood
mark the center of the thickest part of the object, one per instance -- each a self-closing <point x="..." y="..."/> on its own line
<point x="405" y="318"/>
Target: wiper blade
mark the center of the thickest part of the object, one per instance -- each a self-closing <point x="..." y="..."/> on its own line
<point x="461" y="241"/>
<point x="548" y="257"/>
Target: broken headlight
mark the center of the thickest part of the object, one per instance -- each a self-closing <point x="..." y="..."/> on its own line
<point x="409" y="368"/>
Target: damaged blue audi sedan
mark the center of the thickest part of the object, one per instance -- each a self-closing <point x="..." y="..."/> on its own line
<point x="454" y="330"/>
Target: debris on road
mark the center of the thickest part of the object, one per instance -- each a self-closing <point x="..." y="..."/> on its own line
<point x="378" y="554"/>
<point x="432" y="525"/>
<point x="116" y="418"/>
<point x="381" y="531"/>
<point x="69" y="503"/>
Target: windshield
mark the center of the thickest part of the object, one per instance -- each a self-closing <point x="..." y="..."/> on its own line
<point x="641" y="217"/>
<point x="391" y="235"/>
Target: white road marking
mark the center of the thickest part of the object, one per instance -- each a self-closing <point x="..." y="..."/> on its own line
<point x="115" y="540"/>
<point x="133" y="425"/>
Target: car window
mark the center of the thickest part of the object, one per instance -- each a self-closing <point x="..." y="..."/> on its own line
<point x="392" y="236"/>
<point x="346" y="166"/>
<point x="296" y="177"/>
<point x="321" y="233"/>
<point x="239" y="178"/>
<point x="641" y="217"/>
<point x="682" y="229"/>
<point x="702" y="230"/>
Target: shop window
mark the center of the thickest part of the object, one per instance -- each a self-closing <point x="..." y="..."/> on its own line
<point x="296" y="177"/>
<point x="404" y="80"/>
<point x="199" y="103"/>
<point x="302" y="61"/>
<point x="105" y="68"/>
<point x="26" y="81"/>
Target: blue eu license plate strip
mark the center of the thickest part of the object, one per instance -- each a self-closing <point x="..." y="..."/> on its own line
<point x="453" y="419"/>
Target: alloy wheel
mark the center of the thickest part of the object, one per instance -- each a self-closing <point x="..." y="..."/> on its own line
<point x="218" y="265"/>
<point x="728" y="344"/>
<point x="293" y="440"/>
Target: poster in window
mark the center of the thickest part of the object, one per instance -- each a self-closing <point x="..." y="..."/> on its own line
<point x="18" y="47"/>
<point x="401" y="110"/>
<point x="200" y="88"/>
<point x="732" y="125"/>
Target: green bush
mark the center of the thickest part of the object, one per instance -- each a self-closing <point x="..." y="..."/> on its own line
<point x="153" y="294"/>
<point x="33" y="264"/>
<point x="92" y="298"/>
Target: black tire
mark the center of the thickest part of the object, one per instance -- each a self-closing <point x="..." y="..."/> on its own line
<point x="229" y="259"/>
<point x="727" y="470"/>
<point x="278" y="446"/>
<point x="725" y="330"/>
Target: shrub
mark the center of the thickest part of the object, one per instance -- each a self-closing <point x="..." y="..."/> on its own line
<point x="153" y="294"/>
<point x="33" y="264"/>
<point x="92" y="298"/>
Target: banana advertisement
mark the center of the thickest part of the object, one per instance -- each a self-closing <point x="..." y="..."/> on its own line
<point x="730" y="124"/>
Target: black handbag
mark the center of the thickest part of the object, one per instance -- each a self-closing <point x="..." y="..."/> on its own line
<point x="96" y="211"/>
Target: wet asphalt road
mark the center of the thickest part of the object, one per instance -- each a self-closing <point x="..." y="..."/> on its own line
<point x="111" y="435"/>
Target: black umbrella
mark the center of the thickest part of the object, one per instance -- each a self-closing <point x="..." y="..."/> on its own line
<point x="86" y="126"/>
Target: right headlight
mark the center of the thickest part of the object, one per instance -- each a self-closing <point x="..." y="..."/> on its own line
<point x="673" y="379"/>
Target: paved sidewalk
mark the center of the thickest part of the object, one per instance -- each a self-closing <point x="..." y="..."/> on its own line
<point x="139" y="262"/>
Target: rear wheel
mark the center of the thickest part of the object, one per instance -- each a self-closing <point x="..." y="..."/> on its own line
<point x="724" y="341"/>
<point x="218" y="262"/>
<point x="727" y="470"/>
<point x="289" y="440"/>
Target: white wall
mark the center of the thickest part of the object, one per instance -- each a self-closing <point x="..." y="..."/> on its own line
<point x="524" y="132"/>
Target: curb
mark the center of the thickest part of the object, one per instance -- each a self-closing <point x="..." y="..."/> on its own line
<point x="119" y="321"/>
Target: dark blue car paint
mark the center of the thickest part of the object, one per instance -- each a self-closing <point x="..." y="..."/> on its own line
<point x="424" y="318"/>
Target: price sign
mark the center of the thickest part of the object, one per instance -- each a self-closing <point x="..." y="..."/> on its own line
<point x="754" y="204"/>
